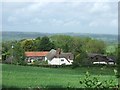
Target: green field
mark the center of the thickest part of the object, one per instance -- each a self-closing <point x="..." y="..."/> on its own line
<point x="14" y="76"/>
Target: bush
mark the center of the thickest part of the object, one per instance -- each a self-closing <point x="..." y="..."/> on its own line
<point x="94" y="82"/>
<point x="36" y="62"/>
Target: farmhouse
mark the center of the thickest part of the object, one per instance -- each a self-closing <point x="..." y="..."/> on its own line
<point x="32" y="56"/>
<point x="100" y="59"/>
<point x="56" y="57"/>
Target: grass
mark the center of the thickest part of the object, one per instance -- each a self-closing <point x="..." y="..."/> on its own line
<point x="32" y="77"/>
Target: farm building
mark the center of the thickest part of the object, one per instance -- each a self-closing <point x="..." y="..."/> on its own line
<point x="101" y="59"/>
<point x="56" y="57"/>
<point x="31" y="56"/>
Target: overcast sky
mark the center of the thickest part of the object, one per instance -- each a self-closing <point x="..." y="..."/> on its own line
<point x="59" y="17"/>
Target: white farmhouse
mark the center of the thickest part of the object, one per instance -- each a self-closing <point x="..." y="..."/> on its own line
<point x="56" y="57"/>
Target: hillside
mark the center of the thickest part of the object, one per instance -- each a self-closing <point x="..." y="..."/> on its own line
<point x="21" y="35"/>
<point x="28" y="35"/>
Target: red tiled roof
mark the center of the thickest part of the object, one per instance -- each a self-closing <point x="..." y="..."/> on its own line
<point x="36" y="54"/>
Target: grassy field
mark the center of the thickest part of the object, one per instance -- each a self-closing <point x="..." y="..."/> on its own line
<point x="14" y="76"/>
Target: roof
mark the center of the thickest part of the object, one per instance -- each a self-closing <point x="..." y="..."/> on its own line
<point x="67" y="55"/>
<point x="95" y="54"/>
<point x="109" y="58"/>
<point x="36" y="54"/>
<point x="52" y="54"/>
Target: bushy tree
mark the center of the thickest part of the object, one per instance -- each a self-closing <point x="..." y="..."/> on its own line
<point x="80" y="56"/>
<point x="66" y="48"/>
<point x="46" y="44"/>
<point x="64" y="42"/>
<point x="6" y="49"/>
<point x="28" y="45"/>
<point x="37" y="43"/>
<point x="18" y="53"/>
<point x="95" y="46"/>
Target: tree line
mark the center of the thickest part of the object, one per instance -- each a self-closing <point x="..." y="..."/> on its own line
<point x="76" y="45"/>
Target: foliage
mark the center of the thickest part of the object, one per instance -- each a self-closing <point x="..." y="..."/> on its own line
<point x="80" y="56"/>
<point x="110" y="48"/>
<point x="95" y="46"/>
<point x="63" y="41"/>
<point x="7" y="49"/>
<point x="118" y="59"/>
<point x="94" y="82"/>
<point x="66" y="43"/>
<point x="76" y="45"/>
<point x="116" y="54"/>
<point x="69" y="44"/>
<point x="38" y="44"/>
<point x="46" y="44"/>
<point x="40" y="62"/>
<point x="18" y="53"/>
<point x="28" y="45"/>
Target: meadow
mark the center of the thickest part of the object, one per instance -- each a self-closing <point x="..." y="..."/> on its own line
<point x="15" y="76"/>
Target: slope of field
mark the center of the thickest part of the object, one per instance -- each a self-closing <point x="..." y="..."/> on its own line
<point x="14" y="76"/>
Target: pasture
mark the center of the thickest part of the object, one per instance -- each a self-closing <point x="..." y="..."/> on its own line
<point x="15" y="76"/>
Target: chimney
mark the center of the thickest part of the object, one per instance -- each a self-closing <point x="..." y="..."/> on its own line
<point x="58" y="52"/>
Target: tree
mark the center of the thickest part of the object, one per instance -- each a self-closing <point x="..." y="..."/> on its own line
<point x="6" y="49"/>
<point x="64" y="42"/>
<point x="46" y="44"/>
<point x="18" y="53"/>
<point x="28" y="45"/>
<point x="80" y="56"/>
<point x="37" y="43"/>
<point x="95" y="46"/>
<point x="66" y="48"/>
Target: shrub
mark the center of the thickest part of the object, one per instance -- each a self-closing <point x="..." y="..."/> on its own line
<point x="94" y="82"/>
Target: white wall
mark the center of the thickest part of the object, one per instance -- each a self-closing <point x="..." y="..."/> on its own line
<point x="99" y="63"/>
<point x="111" y="63"/>
<point x="45" y="58"/>
<point x="59" y="61"/>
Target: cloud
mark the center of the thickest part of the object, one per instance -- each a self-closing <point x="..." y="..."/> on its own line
<point x="73" y="15"/>
<point x="65" y="22"/>
<point x="72" y="23"/>
<point x="114" y="23"/>
<point x="103" y="15"/>
<point x="12" y="19"/>
<point x="93" y="24"/>
<point x="100" y="7"/>
<point x="0" y="14"/>
<point x="33" y="7"/>
<point x="34" y="1"/>
<point x="36" y="20"/>
<point x="60" y="0"/>
<point x="56" y="21"/>
<point x="104" y="23"/>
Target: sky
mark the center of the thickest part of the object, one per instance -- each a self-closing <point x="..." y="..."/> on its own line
<point x="60" y="16"/>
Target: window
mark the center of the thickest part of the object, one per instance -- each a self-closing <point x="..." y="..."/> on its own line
<point x="62" y="59"/>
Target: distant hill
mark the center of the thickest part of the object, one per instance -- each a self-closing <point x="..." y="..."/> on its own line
<point x="6" y="36"/>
